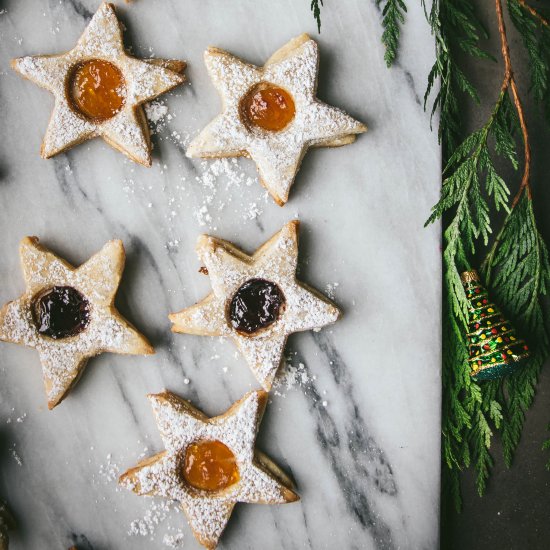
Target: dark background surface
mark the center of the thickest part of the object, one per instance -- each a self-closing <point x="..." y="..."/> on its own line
<point x="515" y="511"/>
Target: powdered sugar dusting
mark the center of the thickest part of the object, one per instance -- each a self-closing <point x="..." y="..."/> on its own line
<point x="291" y="377"/>
<point x="156" y="112"/>
<point x="153" y="517"/>
<point x="218" y="189"/>
<point x="174" y="541"/>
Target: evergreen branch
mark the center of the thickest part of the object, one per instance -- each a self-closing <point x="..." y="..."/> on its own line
<point x="533" y="12"/>
<point x="393" y="17"/>
<point x="520" y="259"/>
<point x="471" y="174"/>
<point x="456" y="419"/>
<point x="517" y="264"/>
<point x="315" y="7"/>
<point x="456" y="29"/>
<point x="535" y="33"/>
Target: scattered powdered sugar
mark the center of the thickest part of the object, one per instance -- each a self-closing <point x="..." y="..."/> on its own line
<point x="109" y="471"/>
<point x="15" y="455"/>
<point x="210" y="196"/>
<point x="218" y="174"/>
<point x="330" y="290"/>
<point x="19" y="419"/>
<point x="253" y="212"/>
<point x="157" y="112"/>
<point x="157" y="518"/>
<point x="290" y="377"/>
<point x="147" y="525"/>
<point x="174" y="541"/>
<point x="157" y="514"/>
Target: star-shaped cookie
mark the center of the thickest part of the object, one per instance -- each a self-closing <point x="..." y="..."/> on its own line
<point x="68" y="314"/>
<point x="217" y="451"/>
<point x="100" y="90"/>
<point x="284" y="91"/>
<point x="256" y="300"/>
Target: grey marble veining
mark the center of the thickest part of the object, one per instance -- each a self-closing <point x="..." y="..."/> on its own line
<point x="360" y="432"/>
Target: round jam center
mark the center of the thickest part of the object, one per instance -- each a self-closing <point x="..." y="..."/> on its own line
<point x="268" y="107"/>
<point x="97" y="89"/>
<point x="61" y="312"/>
<point x="255" y="306"/>
<point x="210" y="466"/>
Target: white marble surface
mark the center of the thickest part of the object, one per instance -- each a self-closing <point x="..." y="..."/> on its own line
<point x="367" y="463"/>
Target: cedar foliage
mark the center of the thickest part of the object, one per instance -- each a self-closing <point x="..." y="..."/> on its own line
<point x="393" y="17"/>
<point x="516" y="269"/>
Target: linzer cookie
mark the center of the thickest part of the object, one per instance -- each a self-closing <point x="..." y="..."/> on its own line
<point x="210" y="464"/>
<point x="68" y="314"/>
<point x="272" y="114"/>
<point x="256" y="300"/>
<point x="99" y="90"/>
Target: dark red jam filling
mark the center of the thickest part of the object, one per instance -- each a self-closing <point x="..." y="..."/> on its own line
<point x="256" y="305"/>
<point x="61" y="312"/>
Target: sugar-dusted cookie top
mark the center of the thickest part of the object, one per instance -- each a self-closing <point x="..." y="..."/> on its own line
<point x="99" y="89"/>
<point x="210" y="464"/>
<point x="256" y="300"/>
<point x="68" y="314"/>
<point x="272" y="114"/>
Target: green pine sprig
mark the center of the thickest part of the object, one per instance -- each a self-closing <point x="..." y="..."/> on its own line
<point x="470" y="181"/>
<point x="535" y="34"/>
<point x="393" y="17"/>
<point x="315" y="7"/>
<point x="457" y="31"/>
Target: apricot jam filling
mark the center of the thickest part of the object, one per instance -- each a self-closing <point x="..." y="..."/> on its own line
<point x="210" y="466"/>
<point x="268" y="107"/>
<point x="97" y="89"/>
